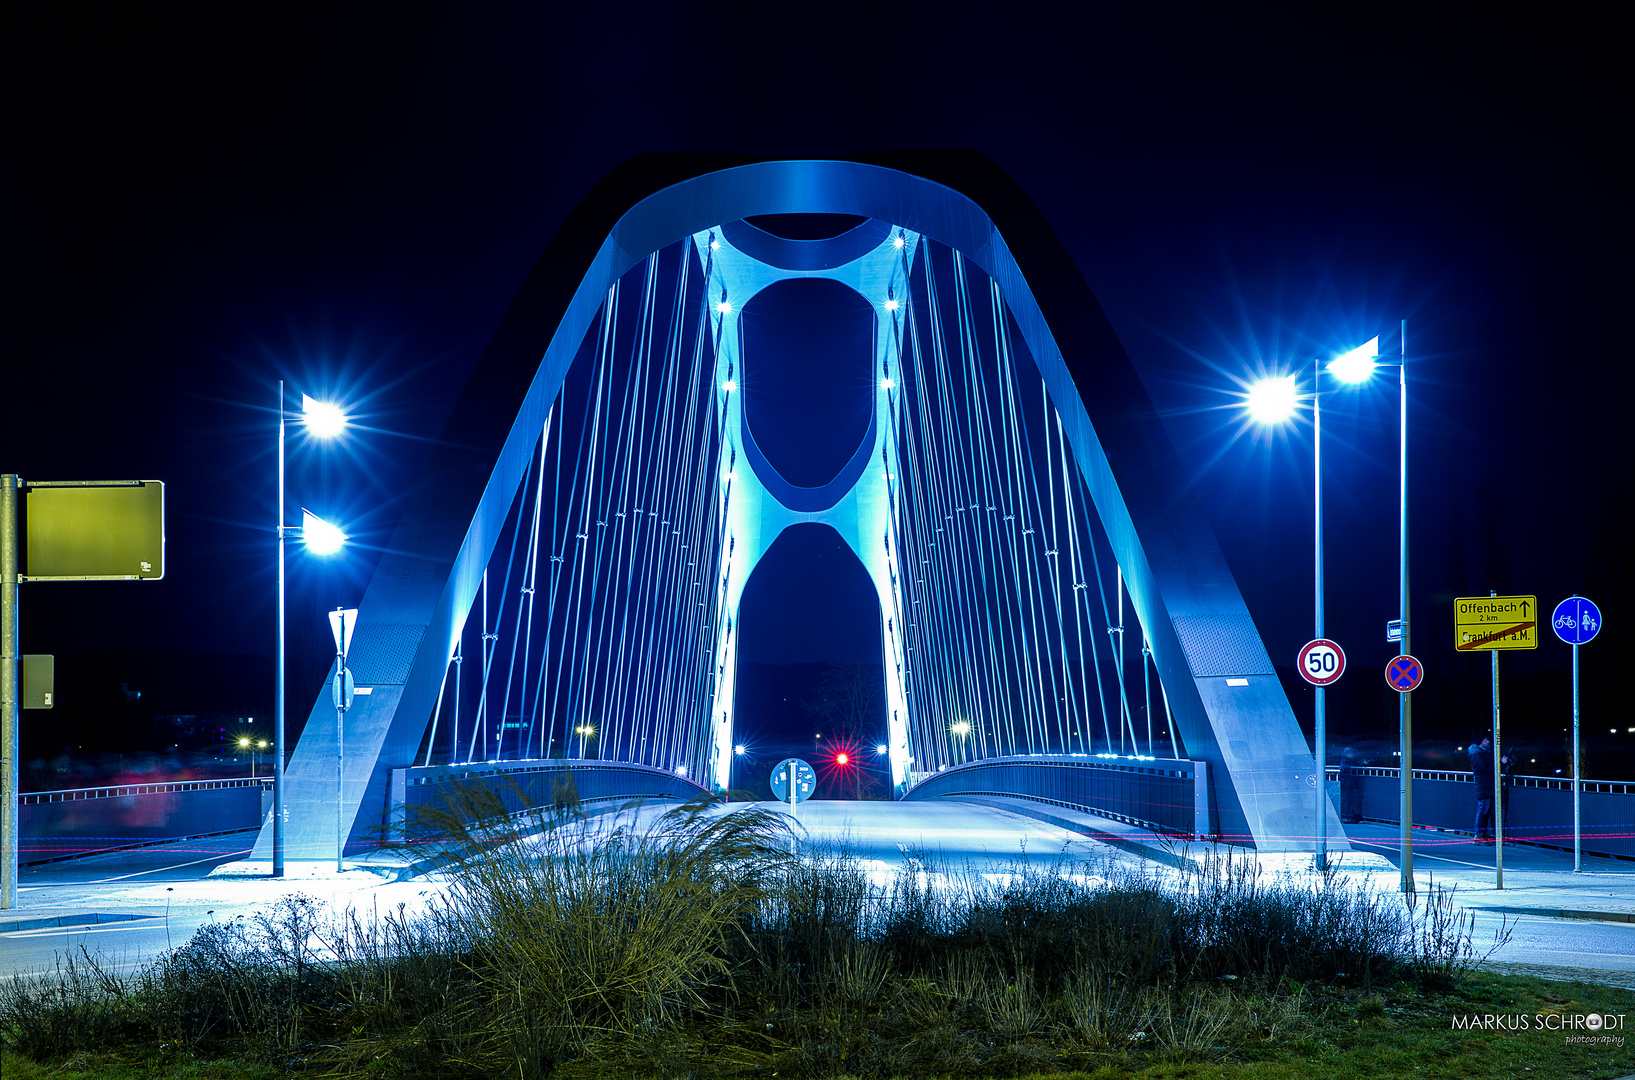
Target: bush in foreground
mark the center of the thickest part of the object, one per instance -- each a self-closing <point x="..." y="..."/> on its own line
<point x="699" y="946"/>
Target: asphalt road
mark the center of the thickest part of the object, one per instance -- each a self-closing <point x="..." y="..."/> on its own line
<point x="168" y="886"/>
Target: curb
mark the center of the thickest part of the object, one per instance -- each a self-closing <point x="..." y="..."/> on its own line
<point x="83" y="919"/>
<point x="1560" y="913"/>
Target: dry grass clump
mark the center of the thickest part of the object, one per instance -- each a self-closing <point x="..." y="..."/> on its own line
<point x="691" y="943"/>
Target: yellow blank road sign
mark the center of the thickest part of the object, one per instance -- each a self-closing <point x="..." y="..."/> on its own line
<point x="1489" y="623"/>
<point x="96" y="530"/>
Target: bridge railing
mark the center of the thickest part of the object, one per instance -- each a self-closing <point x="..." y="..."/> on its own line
<point x="81" y="821"/>
<point x="1169" y="795"/>
<point x="1540" y="808"/>
<point x="529" y="783"/>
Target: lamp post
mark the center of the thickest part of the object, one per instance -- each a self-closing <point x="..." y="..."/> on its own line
<point x="1273" y="401"/>
<point x="324" y="421"/>
<point x="246" y="743"/>
<point x="584" y="731"/>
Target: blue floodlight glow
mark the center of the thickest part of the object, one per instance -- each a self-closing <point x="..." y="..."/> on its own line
<point x="1272" y="400"/>
<point x="882" y="749"/>
<point x="1357" y="365"/>
<point x="320" y="536"/>
<point x="729" y="386"/>
<point x="898" y="242"/>
<point x="891" y="305"/>
<point x="724" y="307"/>
<point x="740" y="749"/>
<point x="888" y="384"/>
<point x="322" y="418"/>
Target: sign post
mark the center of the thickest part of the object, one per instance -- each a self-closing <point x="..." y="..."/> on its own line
<point x="78" y="530"/>
<point x="793" y="781"/>
<point x="1493" y="624"/>
<point x="1321" y="662"/>
<point x="1576" y="621"/>
<point x="342" y="621"/>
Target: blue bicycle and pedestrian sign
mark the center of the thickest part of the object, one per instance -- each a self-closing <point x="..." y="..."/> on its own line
<point x="1404" y="673"/>
<point x="1576" y="620"/>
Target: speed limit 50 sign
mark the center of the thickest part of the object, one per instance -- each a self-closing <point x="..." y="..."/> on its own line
<point x="1321" y="662"/>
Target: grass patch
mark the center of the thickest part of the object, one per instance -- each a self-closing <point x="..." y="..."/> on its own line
<point x="698" y="948"/>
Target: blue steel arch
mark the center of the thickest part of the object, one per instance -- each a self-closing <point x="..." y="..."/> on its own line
<point x="1228" y="705"/>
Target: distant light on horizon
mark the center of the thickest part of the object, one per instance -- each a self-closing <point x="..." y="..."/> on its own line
<point x="1272" y="400"/>
<point x="321" y="537"/>
<point x="323" y="419"/>
<point x="1357" y="365"/>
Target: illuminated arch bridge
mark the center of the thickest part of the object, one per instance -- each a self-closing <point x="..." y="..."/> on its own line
<point x="573" y="566"/>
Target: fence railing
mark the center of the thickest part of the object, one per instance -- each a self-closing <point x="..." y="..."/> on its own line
<point x="1539" y="809"/>
<point x="81" y="821"/>
<point x="1166" y="794"/>
<point x="524" y="784"/>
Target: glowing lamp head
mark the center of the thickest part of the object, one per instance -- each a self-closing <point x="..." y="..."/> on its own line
<point x="891" y="305"/>
<point x="740" y="749"/>
<point x="730" y="385"/>
<point x="882" y="749"/>
<point x="898" y="242"/>
<point x="842" y="758"/>
<point x="1357" y="365"/>
<point x="888" y="383"/>
<point x="960" y="727"/>
<point x="320" y="536"/>
<point x="681" y="770"/>
<point x="322" y="418"/>
<point x="724" y="308"/>
<point x="1272" y="400"/>
<point x="244" y="743"/>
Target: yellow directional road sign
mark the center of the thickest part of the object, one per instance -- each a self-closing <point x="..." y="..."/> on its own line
<point x="1489" y="623"/>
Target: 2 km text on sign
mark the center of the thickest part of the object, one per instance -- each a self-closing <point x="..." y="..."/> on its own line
<point x="1490" y="623"/>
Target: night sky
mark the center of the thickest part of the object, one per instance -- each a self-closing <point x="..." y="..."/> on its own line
<point x="201" y="203"/>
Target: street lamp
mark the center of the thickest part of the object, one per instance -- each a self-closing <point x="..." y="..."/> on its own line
<point x="1271" y="401"/>
<point x="584" y="731"/>
<point x="960" y="728"/>
<point x="252" y="745"/>
<point x="323" y="421"/>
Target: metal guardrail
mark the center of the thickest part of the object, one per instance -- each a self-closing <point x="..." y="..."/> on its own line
<point x="1540" y="807"/>
<point x="1168" y="795"/>
<point x="70" y="822"/>
<point x="524" y="784"/>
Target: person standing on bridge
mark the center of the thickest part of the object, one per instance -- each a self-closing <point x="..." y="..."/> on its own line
<point x="1481" y="768"/>
<point x="1507" y="770"/>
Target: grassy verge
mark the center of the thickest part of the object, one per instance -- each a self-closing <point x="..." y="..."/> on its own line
<point x="699" y="949"/>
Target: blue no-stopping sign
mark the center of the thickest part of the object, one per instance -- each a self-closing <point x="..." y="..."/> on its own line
<point x="1576" y="620"/>
<point x="1404" y="673"/>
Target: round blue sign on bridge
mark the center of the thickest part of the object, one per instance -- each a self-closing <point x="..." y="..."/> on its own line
<point x="1576" y="620"/>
